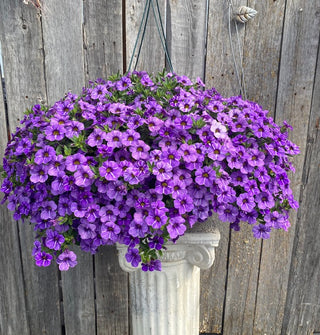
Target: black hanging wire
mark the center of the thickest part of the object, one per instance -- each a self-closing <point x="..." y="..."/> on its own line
<point x="142" y="30"/>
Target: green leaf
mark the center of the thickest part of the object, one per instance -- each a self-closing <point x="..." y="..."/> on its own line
<point x="67" y="150"/>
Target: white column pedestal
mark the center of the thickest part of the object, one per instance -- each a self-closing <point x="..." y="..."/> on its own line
<point x="167" y="302"/>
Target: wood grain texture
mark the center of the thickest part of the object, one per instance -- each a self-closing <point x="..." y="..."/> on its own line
<point x="152" y="56"/>
<point x="78" y="296"/>
<point x="297" y="68"/>
<point x="64" y="64"/>
<point x="63" y="48"/>
<point x="111" y="294"/>
<point x="41" y="289"/>
<point x="21" y="41"/>
<point x="13" y="313"/>
<point x="302" y="313"/>
<point x="261" y="61"/>
<point x="213" y="284"/>
<point x="102" y="38"/>
<point x="186" y="30"/>
<point x="220" y="72"/>
<point x="104" y="56"/>
<point x="243" y="265"/>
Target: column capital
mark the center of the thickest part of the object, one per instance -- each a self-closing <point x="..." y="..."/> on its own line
<point x="194" y="248"/>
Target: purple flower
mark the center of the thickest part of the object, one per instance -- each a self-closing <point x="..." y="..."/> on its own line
<point x="44" y="155"/>
<point x="87" y="230"/>
<point x="110" y="171"/>
<point x="56" y="166"/>
<point x="188" y="152"/>
<point x="138" y="229"/>
<point x="43" y="259"/>
<point x="114" y="139"/>
<point x="110" y="231"/>
<point x="162" y="171"/>
<point x="66" y="260"/>
<point x="84" y="176"/>
<point x="264" y="200"/>
<point x="38" y="174"/>
<point x="152" y="265"/>
<point x="176" y="227"/>
<point x="133" y="257"/>
<point x="96" y="137"/>
<point x="172" y="157"/>
<point x="246" y="202"/>
<point x="139" y="150"/>
<point x="73" y="162"/>
<point x="156" y="219"/>
<point x="130" y="137"/>
<point x="48" y="210"/>
<point x="55" y="132"/>
<point x="261" y="231"/>
<point x="184" y="203"/>
<point x="227" y="213"/>
<point x="73" y="128"/>
<point x="205" y="176"/>
<point x="53" y="240"/>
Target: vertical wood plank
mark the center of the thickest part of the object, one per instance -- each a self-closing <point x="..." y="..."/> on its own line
<point x="102" y="38"/>
<point x="23" y="58"/>
<point x="302" y="312"/>
<point x="64" y="66"/>
<point x="242" y="280"/>
<point x="213" y="284"/>
<point x="111" y="294"/>
<point x="186" y="27"/>
<point x="261" y="61"/>
<point x="104" y="56"/>
<point x="78" y="296"/>
<point x="220" y="73"/>
<point x="63" y="47"/>
<point x="152" y="57"/>
<point x="13" y="315"/>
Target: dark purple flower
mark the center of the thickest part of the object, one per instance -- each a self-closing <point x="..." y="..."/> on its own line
<point x="43" y="259"/>
<point x="54" y="240"/>
<point x="133" y="257"/>
<point x="261" y="231"/>
<point x="48" y="210"/>
<point x="44" y="155"/>
<point x="227" y="213"/>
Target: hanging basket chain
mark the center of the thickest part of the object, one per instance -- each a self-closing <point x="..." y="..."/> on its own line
<point x="240" y="75"/>
<point x="163" y="36"/>
<point x="142" y="29"/>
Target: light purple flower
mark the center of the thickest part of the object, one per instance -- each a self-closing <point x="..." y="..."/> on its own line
<point x="66" y="260"/>
<point x="110" y="171"/>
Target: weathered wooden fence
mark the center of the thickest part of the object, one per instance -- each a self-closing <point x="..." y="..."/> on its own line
<point x="254" y="287"/>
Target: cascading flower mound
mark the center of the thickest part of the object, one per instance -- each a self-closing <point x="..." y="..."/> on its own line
<point x="135" y="160"/>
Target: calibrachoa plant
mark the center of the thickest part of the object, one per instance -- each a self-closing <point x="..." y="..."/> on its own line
<point x="135" y="160"/>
